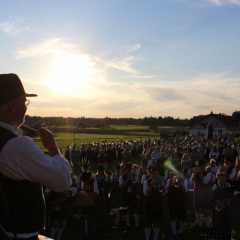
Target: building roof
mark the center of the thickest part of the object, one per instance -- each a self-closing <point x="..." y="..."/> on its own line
<point x="221" y="117"/>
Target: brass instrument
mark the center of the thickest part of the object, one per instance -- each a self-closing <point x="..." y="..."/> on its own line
<point x="175" y="182"/>
<point x="57" y="201"/>
<point x="158" y="183"/>
<point x="133" y="177"/>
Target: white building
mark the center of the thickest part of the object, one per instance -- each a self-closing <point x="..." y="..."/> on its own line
<point x="219" y="122"/>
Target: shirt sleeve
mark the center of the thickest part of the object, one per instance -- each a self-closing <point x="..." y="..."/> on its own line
<point x="120" y="181"/>
<point x="145" y="188"/>
<point x="24" y="160"/>
<point x="144" y="178"/>
<point x="207" y="178"/>
<point x="214" y="187"/>
<point x="95" y="186"/>
<point x="231" y="176"/>
<point x="167" y="183"/>
<point x="191" y="178"/>
<point x="111" y="177"/>
<point x="185" y="184"/>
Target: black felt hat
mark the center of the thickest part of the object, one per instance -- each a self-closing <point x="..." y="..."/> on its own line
<point x="199" y="163"/>
<point x="101" y="168"/>
<point x="11" y="88"/>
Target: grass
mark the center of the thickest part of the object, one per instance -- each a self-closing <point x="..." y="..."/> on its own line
<point x="114" y="127"/>
<point x="64" y="139"/>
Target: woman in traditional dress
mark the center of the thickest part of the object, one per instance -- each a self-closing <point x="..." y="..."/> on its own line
<point x="103" y="183"/>
<point x="115" y="199"/>
<point x="222" y="195"/>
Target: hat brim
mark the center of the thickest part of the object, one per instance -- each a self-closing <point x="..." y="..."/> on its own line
<point x="30" y="95"/>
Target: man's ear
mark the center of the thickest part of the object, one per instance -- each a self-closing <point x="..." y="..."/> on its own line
<point x="12" y="106"/>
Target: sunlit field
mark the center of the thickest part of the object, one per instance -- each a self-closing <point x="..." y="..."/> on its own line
<point x="125" y="132"/>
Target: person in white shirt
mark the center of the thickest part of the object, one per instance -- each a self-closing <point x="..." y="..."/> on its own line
<point x="214" y="167"/>
<point x="24" y="168"/>
<point x="155" y="155"/>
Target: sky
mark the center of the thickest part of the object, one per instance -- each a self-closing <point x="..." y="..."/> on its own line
<point x="124" y="58"/>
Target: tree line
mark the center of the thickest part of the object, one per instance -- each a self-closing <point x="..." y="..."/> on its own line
<point x="82" y="122"/>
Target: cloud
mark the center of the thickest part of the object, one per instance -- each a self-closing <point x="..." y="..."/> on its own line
<point x="163" y="94"/>
<point x="55" y="47"/>
<point x="225" y="2"/>
<point x="124" y="65"/>
<point x="132" y="48"/>
<point x="197" y="95"/>
<point x="6" y="27"/>
<point x="13" y="27"/>
<point x="205" y="3"/>
<point x="139" y="76"/>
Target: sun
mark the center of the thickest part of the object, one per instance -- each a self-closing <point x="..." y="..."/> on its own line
<point x="71" y="74"/>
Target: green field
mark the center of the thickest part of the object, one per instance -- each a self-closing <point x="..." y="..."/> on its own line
<point x="115" y="127"/>
<point x="64" y="139"/>
<point x="67" y="138"/>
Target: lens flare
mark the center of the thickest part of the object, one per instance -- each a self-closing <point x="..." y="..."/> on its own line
<point x="168" y="164"/>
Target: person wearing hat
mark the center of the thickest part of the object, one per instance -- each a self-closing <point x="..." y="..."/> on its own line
<point x="129" y="192"/>
<point x="103" y="184"/>
<point x="84" y="177"/>
<point x="222" y="195"/>
<point x="88" y="184"/>
<point x="230" y="169"/>
<point x="115" y="199"/>
<point x="24" y="168"/>
<point x="153" y="190"/>
<point x="176" y="188"/>
<point x="102" y="159"/>
<point x="202" y="180"/>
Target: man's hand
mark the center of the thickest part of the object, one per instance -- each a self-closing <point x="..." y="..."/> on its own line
<point x="48" y="140"/>
<point x="46" y="137"/>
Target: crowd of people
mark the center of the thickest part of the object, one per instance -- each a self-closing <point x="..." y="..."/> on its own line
<point x="170" y="167"/>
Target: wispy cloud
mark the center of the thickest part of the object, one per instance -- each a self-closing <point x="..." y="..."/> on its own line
<point x="13" y="27"/>
<point x="139" y="76"/>
<point x="132" y="48"/>
<point x="58" y="47"/>
<point x="225" y="2"/>
<point x="196" y="95"/>
<point x="55" y="47"/>
<point x="6" y="27"/>
<point x="163" y="94"/>
<point x="123" y="64"/>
